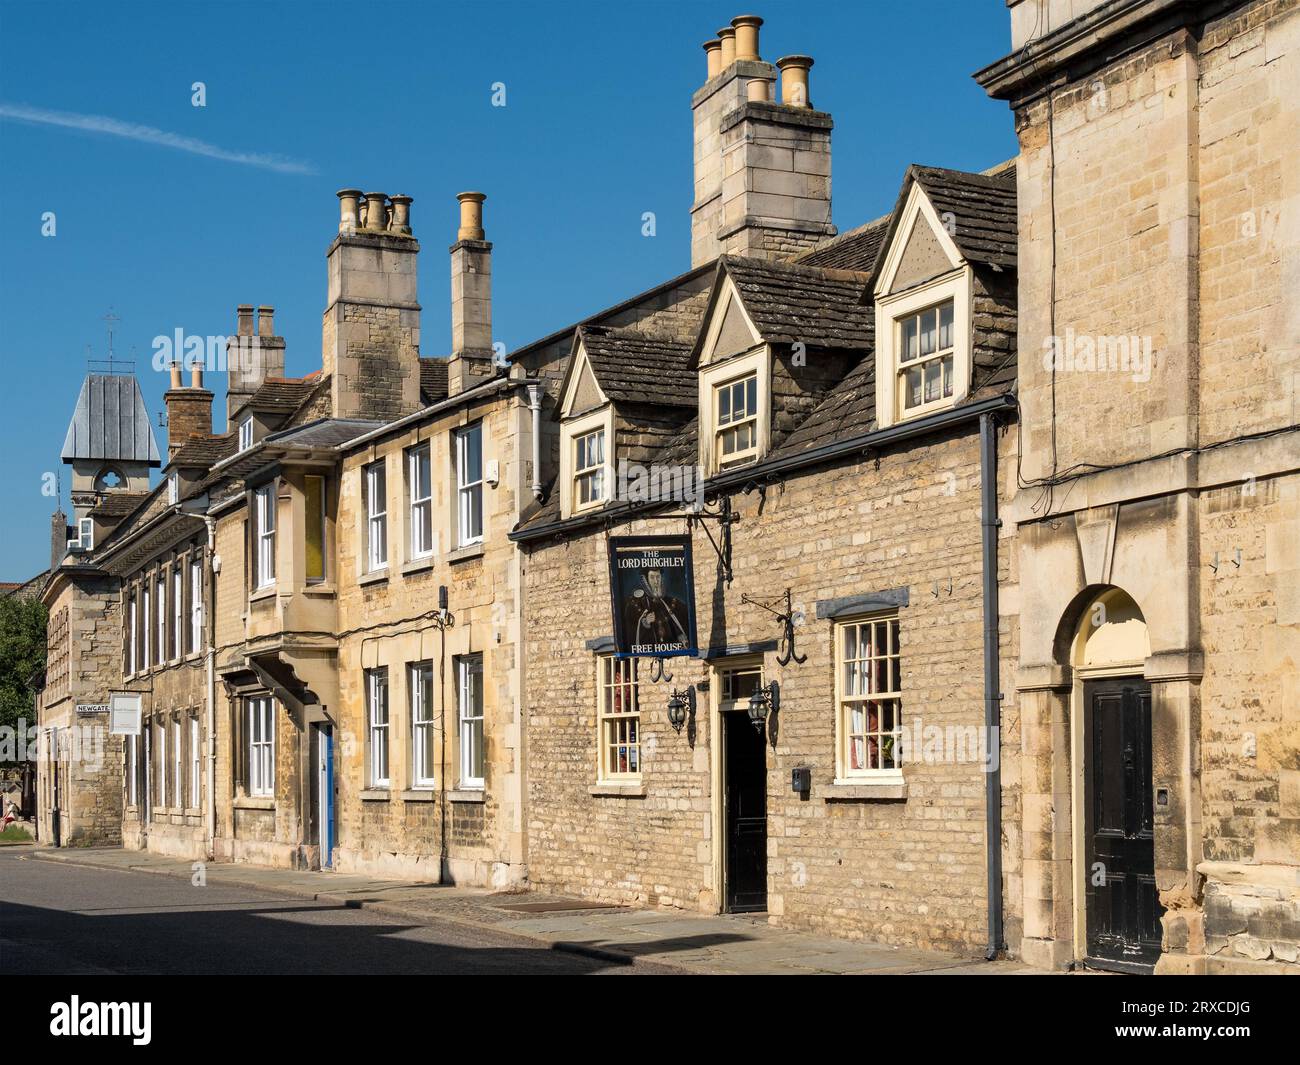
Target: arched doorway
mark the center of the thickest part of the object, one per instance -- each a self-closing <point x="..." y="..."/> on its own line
<point x="1117" y="924"/>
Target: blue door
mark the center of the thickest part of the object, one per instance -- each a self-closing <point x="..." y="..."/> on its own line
<point x="325" y="794"/>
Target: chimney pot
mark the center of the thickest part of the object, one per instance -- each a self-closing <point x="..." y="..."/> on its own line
<point x="728" y="38"/>
<point x="746" y="28"/>
<point x="756" y="90"/>
<point x="402" y="214"/>
<point x="176" y="372"/>
<point x="349" y="209"/>
<point x="244" y="314"/>
<point x="713" y="55"/>
<point x="196" y="376"/>
<point x="794" y="80"/>
<point x="471" y="216"/>
<point x="265" y="321"/>
<point x="376" y="217"/>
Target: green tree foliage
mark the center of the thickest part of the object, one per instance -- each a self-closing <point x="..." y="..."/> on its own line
<point x="22" y="658"/>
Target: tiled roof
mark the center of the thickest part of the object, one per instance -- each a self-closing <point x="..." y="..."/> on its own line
<point x="433" y="380"/>
<point x="982" y="208"/>
<point x="792" y="303"/>
<point x="849" y="409"/>
<point x="633" y="367"/>
<point x="855" y="250"/>
<point x="111" y="422"/>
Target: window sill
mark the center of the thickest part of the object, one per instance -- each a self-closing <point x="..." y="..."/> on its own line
<point x="464" y="554"/>
<point x="255" y="802"/>
<point x="319" y="588"/>
<point x="418" y="565"/>
<point x="379" y="576"/>
<point x="262" y="595"/>
<point x="419" y="795"/>
<point x="619" y="790"/>
<point x="467" y="795"/>
<point x="890" y="790"/>
<point x="374" y="794"/>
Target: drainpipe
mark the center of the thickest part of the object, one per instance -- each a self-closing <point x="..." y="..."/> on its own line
<point x="989" y="525"/>
<point x="210" y="624"/>
<point x="535" y="405"/>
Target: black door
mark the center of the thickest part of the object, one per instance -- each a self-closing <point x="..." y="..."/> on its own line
<point x="1123" y="907"/>
<point x="745" y="793"/>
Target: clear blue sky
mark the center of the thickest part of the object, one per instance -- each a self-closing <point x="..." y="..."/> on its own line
<point x="397" y="97"/>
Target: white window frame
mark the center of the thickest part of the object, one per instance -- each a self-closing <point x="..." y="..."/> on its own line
<point x="133" y="637"/>
<point x="716" y="376"/>
<point x="196" y="604"/>
<point x="246" y="433"/>
<point x="420" y="539"/>
<point x="146" y="626"/>
<point x="467" y="489"/>
<point x="160" y="731"/>
<point x="178" y="764"/>
<point x="849" y="693"/>
<point x="131" y="769"/>
<point x="956" y="284"/>
<point x="469" y="720"/>
<point x="375" y="479"/>
<point x="265" y="501"/>
<point x="160" y="609"/>
<point x="196" y="762"/>
<point x="378" y="747"/>
<point x="571" y="431"/>
<point x="420" y="686"/>
<point x="177" y="629"/>
<point x="85" y="534"/>
<point x="618" y="730"/>
<point x="260" y="745"/>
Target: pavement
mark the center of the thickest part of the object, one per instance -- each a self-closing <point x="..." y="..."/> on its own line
<point x="649" y="940"/>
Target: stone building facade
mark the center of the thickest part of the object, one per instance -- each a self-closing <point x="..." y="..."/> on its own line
<point x="1157" y="514"/>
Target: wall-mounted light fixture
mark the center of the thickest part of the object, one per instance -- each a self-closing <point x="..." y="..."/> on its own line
<point x="764" y="701"/>
<point x="679" y="705"/>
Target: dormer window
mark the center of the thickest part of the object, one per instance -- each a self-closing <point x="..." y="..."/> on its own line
<point x="589" y="469"/>
<point x="736" y="420"/>
<point x="925" y="357"/>
<point x="246" y="434"/>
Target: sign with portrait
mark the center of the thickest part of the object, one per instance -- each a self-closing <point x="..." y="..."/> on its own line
<point x="652" y="586"/>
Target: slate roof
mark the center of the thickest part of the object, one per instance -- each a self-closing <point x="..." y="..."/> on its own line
<point x="633" y="367"/>
<point x="111" y="422"/>
<point x="202" y="452"/>
<point x="118" y="504"/>
<point x="983" y="209"/>
<point x="856" y="249"/>
<point x="791" y="302"/>
<point x="283" y="394"/>
<point x="324" y="432"/>
<point x="433" y="381"/>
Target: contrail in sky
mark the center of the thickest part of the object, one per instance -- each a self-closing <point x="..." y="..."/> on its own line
<point x="149" y="135"/>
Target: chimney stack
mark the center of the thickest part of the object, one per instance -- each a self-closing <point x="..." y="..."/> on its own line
<point x="370" y="331"/>
<point x="471" y="299"/>
<point x="762" y="169"/>
<point x="253" y="354"/>
<point x="189" y="410"/>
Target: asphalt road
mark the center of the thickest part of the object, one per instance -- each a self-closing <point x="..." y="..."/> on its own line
<point x="60" y="919"/>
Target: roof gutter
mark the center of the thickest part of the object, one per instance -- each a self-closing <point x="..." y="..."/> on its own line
<point x="739" y="478"/>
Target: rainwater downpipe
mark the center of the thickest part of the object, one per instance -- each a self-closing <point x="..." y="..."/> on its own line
<point x="989" y="525"/>
<point x="535" y="405"/>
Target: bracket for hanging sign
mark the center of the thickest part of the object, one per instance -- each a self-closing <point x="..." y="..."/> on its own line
<point x="726" y="518"/>
<point x="784" y="618"/>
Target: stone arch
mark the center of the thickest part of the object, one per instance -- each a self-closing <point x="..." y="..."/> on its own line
<point x="102" y="483"/>
<point x="1115" y="603"/>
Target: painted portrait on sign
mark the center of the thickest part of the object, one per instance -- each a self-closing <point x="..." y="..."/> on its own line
<point x="653" y="593"/>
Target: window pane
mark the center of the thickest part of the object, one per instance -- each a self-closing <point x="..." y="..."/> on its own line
<point x="912" y="388"/>
<point x="947" y="375"/>
<point x="932" y="382"/>
<point x="945" y="326"/>
<point x="751" y="395"/>
<point x="929" y="324"/>
<point x="314" y="493"/>
<point x="909" y="345"/>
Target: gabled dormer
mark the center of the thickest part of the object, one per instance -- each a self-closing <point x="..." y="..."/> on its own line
<point x="776" y="338"/>
<point x="625" y="394"/>
<point x="951" y="235"/>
